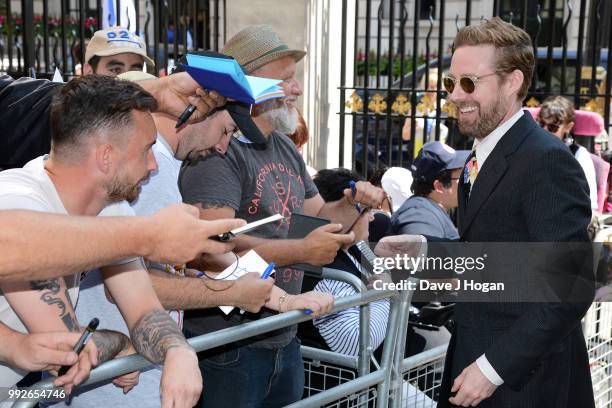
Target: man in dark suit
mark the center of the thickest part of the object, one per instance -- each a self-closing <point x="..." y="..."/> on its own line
<point x="520" y="185"/>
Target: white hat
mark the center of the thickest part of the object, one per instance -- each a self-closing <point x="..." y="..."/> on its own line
<point x="396" y="182"/>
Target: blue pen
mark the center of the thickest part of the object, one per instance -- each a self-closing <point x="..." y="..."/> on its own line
<point x="266" y="274"/>
<point x="268" y="271"/>
<point x="353" y="187"/>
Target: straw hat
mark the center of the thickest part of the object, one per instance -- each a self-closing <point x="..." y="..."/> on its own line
<point x="255" y="46"/>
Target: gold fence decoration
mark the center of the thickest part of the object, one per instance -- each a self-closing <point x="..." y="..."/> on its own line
<point x="532" y="103"/>
<point x="355" y="103"/>
<point x="378" y="105"/>
<point x="427" y="104"/>
<point x="401" y="106"/>
<point x="592" y="106"/>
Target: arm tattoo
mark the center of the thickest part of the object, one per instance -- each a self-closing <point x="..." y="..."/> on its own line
<point x="154" y="334"/>
<point x="50" y="289"/>
<point x="109" y="343"/>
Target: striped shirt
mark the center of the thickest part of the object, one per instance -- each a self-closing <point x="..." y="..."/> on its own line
<point x="341" y="330"/>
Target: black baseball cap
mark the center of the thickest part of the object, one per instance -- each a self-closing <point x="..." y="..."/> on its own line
<point x="435" y="158"/>
<point x="241" y="114"/>
<point x="239" y="111"/>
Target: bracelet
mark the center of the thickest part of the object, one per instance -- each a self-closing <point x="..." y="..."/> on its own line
<point x="281" y="300"/>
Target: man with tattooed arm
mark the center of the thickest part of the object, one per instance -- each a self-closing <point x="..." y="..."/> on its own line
<point x="102" y="134"/>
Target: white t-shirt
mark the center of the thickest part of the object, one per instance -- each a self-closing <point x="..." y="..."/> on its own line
<point x="30" y="188"/>
<point x="586" y="162"/>
<point x="161" y="190"/>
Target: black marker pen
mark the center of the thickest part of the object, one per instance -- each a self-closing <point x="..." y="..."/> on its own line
<point x="185" y="116"/>
<point x="80" y="345"/>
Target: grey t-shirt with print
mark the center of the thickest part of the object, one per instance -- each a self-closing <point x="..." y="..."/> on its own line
<point x="257" y="181"/>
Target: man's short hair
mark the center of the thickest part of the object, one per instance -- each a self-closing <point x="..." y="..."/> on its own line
<point x="331" y="183"/>
<point x="557" y="109"/>
<point x="423" y="188"/>
<point x="513" y="48"/>
<point x="91" y="104"/>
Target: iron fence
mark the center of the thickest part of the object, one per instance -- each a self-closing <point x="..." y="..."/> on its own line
<point x="393" y="99"/>
<point x="38" y="36"/>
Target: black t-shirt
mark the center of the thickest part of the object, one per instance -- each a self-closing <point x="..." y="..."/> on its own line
<point x="257" y="181"/>
<point x="24" y="119"/>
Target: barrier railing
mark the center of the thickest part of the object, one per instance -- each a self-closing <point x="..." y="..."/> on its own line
<point x="365" y="350"/>
<point x="421" y="376"/>
<point x="411" y="382"/>
<point x="371" y="389"/>
<point x="124" y="365"/>
<point x="598" y="335"/>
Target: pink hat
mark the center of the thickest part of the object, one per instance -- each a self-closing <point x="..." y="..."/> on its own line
<point x="588" y="123"/>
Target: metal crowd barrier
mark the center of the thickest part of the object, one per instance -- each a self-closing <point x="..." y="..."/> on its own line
<point x="598" y="335"/>
<point x="345" y="381"/>
<point x="124" y="365"/>
<point x="365" y="390"/>
<point x="422" y="374"/>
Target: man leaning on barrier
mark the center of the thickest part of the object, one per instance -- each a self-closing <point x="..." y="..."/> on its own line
<point x="102" y="137"/>
<point x="177" y="287"/>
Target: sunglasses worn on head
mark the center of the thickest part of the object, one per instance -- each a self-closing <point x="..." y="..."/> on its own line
<point x="551" y="127"/>
<point x="467" y="82"/>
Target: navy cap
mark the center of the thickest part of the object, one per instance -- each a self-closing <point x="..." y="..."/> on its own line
<point x="435" y="158"/>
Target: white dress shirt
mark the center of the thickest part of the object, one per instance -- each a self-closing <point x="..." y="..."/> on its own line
<point x="485" y="146"/>
<point x="483" y="149"/>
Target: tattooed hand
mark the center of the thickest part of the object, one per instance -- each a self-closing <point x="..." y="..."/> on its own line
<point x="110" y="343"/>
<point x="154" y="334"/>
<point x="104" y="345"/>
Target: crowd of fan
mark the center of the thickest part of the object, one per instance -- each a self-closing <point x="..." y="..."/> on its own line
<point x="108" y="147"/>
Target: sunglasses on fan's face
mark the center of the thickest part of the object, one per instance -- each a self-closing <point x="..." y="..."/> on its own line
<point x="467" y="82"/>
<point x="551" y="127"/>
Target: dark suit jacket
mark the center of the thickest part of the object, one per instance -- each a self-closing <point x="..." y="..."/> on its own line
<point x="530" y="189"/>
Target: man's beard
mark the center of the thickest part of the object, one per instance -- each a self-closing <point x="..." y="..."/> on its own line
<point x="282" y="118"/>
<point x="117" y="191"/>
<point x="486" y="122"/>
<point x="195" y="155"/>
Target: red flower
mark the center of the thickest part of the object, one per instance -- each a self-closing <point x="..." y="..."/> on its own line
<point x="90" y="22"/>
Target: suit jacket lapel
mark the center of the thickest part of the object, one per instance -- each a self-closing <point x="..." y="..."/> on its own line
<point x="490" y="174"/>
<point x="488" y="177"/>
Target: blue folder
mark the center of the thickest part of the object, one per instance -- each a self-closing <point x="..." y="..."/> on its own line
<point x="225" y="76"/>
